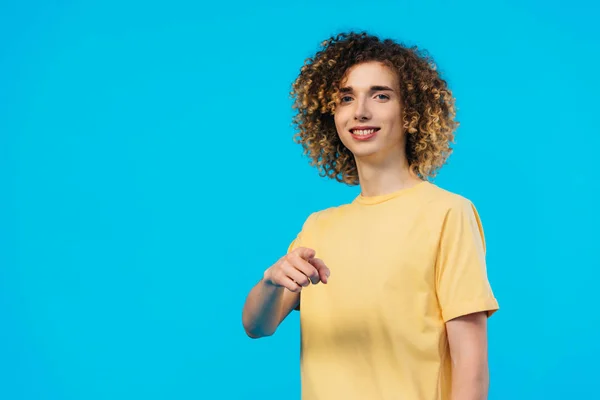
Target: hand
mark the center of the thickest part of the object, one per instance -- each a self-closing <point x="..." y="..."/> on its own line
<point x="296" y="270"/>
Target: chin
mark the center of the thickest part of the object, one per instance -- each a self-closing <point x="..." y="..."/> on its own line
<point x="363" y="152"/>
<point x="359" y="149"/>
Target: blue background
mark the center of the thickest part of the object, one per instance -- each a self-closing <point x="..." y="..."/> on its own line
<point x="148" y="177"/>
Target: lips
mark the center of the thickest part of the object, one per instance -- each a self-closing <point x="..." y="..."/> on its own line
<point x="364" y="132"/>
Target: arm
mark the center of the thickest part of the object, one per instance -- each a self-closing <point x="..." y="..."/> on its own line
<point x="467" y="338"/>
<point x="278" y="293"/>
<point x="266" y="306"/>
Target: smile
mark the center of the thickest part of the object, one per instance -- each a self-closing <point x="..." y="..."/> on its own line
<point x="364" y="133"/>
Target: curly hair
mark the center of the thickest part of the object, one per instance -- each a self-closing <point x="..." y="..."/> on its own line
<point x="428" y="104"/>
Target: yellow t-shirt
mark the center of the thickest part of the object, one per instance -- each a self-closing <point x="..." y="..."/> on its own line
<point x="401" y="264"/>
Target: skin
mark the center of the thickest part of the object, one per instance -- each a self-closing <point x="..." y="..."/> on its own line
<point x="381" y="161"/>
<point x="369" y="96"/>
<point x="467" y="338"/>
<point x="278" y="292"/>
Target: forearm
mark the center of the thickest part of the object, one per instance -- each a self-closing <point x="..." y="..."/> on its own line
<point x="467" y="337"/>
<point x="469" y="381"/>
<point x="262" y="310"/>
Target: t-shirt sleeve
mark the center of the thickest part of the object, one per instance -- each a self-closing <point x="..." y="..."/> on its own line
<point x="298" y="242"/>
<point x="294" y="244"/>
<point x="461" y="273"/>
<point x="300" y="236"/>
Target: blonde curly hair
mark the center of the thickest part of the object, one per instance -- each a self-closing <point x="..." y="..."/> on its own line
<point x="428" y="104"/>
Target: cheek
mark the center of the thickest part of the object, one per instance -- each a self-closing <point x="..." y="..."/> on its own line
<point x="340" y="120"/>
<point x="394" y="116"/>
<point x="341" y="128"/>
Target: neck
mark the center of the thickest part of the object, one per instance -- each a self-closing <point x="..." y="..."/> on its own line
<point x="384" y="177"/>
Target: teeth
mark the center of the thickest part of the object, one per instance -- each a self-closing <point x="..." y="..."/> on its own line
<point x="363" y="132"/>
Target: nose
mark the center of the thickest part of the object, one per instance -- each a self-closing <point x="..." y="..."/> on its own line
<point x="362" y="113"/>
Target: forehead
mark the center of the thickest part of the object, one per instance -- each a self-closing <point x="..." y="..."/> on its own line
<point x="369" y="74"/>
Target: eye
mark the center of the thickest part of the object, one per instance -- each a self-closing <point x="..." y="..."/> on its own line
<point x="383" y="97"/>
<point x="345" y="99"/>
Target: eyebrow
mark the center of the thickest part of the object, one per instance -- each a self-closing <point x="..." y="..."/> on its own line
<point x="376" y="88"/>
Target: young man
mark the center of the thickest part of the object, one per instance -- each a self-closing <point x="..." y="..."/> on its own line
<point x="392" y="288"/>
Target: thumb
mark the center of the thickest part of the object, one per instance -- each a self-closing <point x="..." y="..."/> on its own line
<point x="322" y="269"/>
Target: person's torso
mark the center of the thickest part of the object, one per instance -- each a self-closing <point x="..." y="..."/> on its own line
<point x="375" y="331"/>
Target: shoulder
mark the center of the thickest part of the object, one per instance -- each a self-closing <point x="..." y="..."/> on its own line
<point x="444" y="207"/>
<point x="326" y="215"/>
<point x="444" y="200"/>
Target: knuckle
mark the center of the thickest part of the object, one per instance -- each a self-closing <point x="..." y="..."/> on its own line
<point x="279" y="276"/>
<point x="285" y="265"/>
<point x="290" y="258"/>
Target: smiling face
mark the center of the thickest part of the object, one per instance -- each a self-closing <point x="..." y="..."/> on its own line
<point x="368" y="114"/>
